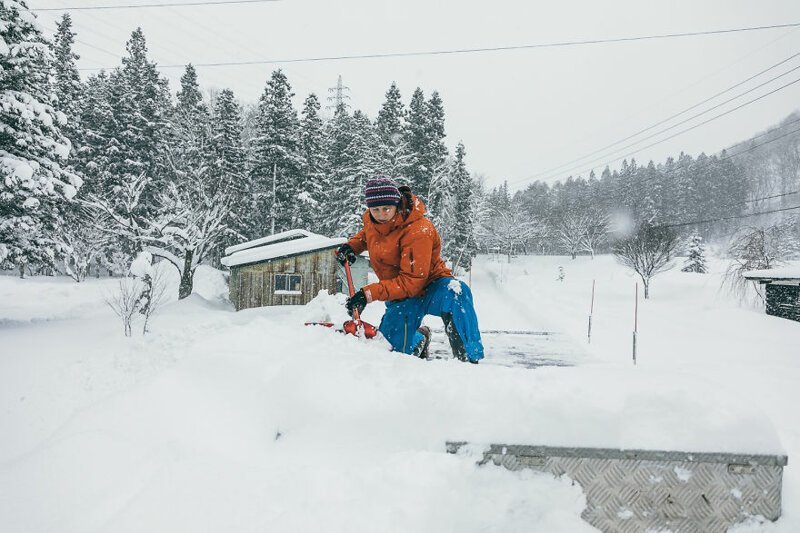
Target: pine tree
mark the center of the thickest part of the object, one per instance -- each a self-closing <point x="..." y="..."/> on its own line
<point x="436" y="153"/>
<point x="696" y="262"/>
<point x="33" y="149"/>
<point x="315" y="188"/>
<point x="391" y="117"/>
<point x="461" y="247"/>
<point x="425" y="141"/>
<point x="190" y="100"/>
<point x="391" y="126"/>
<point x="276" y="156"/>
<point x="140" y="105"/>
<point x="97" y="143"/>
<point x="350" y="159"/>
<point x="419" y="175"/>
<point x="649" y="187"/>
<point x="188" y="150"/>
<point x="66" y="80"/>
<point x="228" y="171"/>
<point x="339" y="165"/>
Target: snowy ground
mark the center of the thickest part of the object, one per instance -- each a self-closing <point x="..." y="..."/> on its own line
<point x="224" y="421"/>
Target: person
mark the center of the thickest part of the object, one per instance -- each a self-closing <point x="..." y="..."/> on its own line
<point x="404" y="252"/>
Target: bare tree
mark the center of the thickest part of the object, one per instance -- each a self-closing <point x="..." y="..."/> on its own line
<point x="188" y="224"/>
<point x="754" y="248"/>
<point x="571" y="229"/>
<point x="80" y="242"/>
<point x="596" y="232"/>
<point x="191" y="224"/>
<point x="647" y="252"/>
<point x="508" y="230"/>
<point x="124" y="301"/>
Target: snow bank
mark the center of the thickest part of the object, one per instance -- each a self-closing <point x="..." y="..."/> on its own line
<point x="247" y="422"/>
<point x="250" y="421"/>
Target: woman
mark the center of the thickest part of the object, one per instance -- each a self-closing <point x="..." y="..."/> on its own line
<point x="404" y="251"/>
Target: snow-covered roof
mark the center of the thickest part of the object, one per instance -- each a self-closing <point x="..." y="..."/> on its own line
<point x="277" y="237"/>
<point x="282" y="244"/>
<point x="788" y="272"/>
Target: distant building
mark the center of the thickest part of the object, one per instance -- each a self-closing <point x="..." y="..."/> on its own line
<point x="287" y="268"/>
<point x="783" y="290"/>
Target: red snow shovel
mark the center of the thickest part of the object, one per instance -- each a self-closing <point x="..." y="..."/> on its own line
<point x="356" y="326"/>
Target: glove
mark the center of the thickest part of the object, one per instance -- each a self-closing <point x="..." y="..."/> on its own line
<point x="356" y="302"/>
<point x="345" y="253"/>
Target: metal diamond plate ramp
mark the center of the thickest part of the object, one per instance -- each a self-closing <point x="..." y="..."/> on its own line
<point x="640" y="490"/>
<point x="521" y="349"/>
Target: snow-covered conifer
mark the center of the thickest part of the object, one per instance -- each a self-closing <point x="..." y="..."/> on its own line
<point x="67" y="85"/>
<point x="395" y="158"/>
<point x="228" y="170"/>
<point x="276" y="160"/>
<point x="315" y="189"/>
<point x="33" y="149"/>
<point x="461" y="246"/>
<point x="140" y="103"/>
<point x="696" y="262"/>
<point x="425" y="141"/>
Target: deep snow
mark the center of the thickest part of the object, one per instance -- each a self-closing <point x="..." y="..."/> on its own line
<point x="249" y="421"/>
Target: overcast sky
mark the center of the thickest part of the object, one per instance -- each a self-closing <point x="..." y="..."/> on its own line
<point x="519" y="113"/>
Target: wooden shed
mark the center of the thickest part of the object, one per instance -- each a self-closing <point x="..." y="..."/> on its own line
<point x="287" y="268"/>
<point x="783" y="290"/>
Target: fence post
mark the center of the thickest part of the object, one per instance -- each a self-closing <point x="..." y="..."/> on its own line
<point x="591" y="311"/>
<point x="635" y="321"/>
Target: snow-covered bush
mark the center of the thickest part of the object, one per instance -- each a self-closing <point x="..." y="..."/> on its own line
<point x="138" y="294"/>
<point x="153" y="287"/>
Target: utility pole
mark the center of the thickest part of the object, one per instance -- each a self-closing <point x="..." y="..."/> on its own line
<point x="274" y="198"/>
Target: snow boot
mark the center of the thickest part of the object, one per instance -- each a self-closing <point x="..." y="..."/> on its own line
<point x="456" y="344"/>
<point x="421" y="349"/>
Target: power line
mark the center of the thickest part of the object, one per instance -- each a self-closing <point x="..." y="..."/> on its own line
<point x="679" y="114"/>
<point x="790" y="193"/>
<point x="720" y="219"/>
<point x="147" y="6"/>
<point x="167" y="45"/>
<point x="53" y="31"/>
<point x="486" y="49"/>
<point x="591" y="134"/>
<point x="684" y="121"/>
<point x="682" y="131"/>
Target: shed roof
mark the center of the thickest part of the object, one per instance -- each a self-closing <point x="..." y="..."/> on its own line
<point x="284" y="244"/>
<point x="791" y="272"/>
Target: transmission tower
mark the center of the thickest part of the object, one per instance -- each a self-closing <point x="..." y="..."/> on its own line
<point x="338" y="98"/>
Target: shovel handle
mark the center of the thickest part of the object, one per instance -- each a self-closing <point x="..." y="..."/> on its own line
<point x="350" y="288"/>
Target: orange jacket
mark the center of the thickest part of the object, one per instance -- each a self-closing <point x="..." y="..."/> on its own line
<point x="404" y="253"/>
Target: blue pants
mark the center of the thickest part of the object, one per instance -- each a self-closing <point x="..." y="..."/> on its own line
<point x="445" y="295"/>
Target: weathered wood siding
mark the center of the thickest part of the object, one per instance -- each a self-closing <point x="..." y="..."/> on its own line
<point x="783" y="300"/>
<point x="253" y="285"/>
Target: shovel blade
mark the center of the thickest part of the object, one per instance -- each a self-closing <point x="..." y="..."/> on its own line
<point x="355" y="327"/>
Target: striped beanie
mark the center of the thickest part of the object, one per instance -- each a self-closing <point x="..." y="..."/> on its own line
<point x="382" y="191"/>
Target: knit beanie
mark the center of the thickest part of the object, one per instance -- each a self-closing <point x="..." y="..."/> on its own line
<point x="381" y="191"/>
